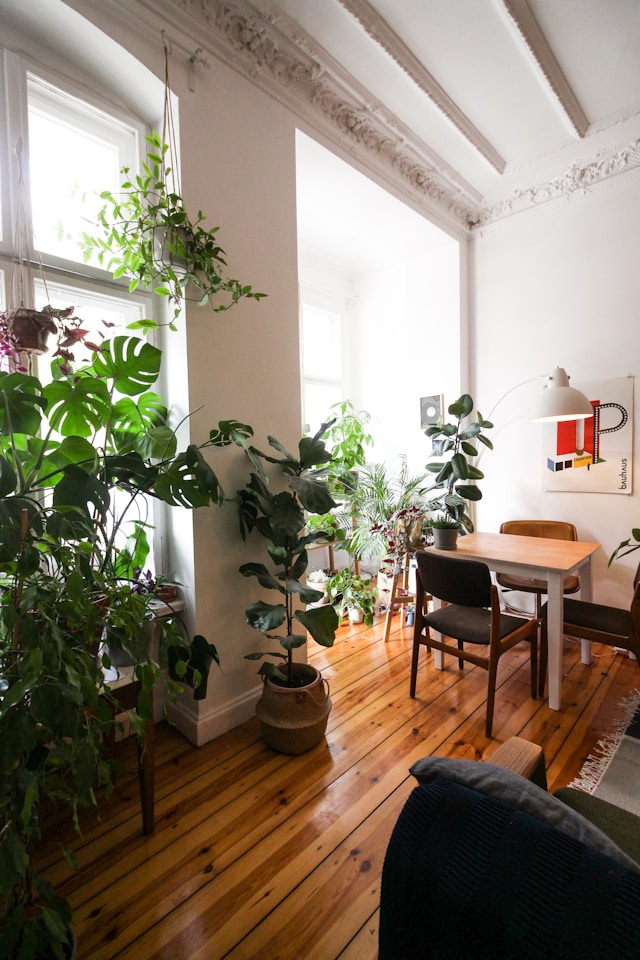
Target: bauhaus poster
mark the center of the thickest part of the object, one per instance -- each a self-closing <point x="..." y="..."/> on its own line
<point x="593" y="455"/>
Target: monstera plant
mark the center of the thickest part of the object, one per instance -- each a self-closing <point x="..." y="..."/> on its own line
<point x="78" y="456"/>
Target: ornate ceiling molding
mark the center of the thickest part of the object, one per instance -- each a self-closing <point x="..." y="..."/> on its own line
<point x="278" y="56"/>
<point x="259" y="42"/>
<point x="577" y="179"/>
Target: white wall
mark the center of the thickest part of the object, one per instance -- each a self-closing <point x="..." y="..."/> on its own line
<point x="557" y="286"/>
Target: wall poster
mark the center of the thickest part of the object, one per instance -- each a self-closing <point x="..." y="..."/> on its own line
<point x="594" y="455"/>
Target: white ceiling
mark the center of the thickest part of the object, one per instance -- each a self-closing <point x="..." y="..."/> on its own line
<point x="503" y="93"/>
<point x="503" y="99"/>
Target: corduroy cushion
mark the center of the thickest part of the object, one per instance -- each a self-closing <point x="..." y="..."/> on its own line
<point x="468" y="877"/>
<point x="520" y="794"/>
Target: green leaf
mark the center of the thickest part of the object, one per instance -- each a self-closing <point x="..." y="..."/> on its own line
<point x="321" y="622"/>
<point x="459" y="466"/>
<point x="265" y="616"/>
<point x="80" y="489"/>
<point x="314" y="494"/>
<point x="262" y="574"/>
<point x="469" y="491"/>
<point x="132" y="364"/>
<point x="77" y="406"/>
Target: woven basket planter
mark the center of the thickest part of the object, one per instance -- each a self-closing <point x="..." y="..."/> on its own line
<point x="294" y="719"/>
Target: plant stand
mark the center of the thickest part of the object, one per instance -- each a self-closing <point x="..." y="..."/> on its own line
<point x="399" y="581"/>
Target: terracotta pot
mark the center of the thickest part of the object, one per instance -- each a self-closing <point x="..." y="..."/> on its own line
<point x="31" y="328"/>
<point x="294" y="719"/>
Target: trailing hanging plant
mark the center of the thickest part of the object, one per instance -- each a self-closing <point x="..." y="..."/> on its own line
<point x="145" y="233"/>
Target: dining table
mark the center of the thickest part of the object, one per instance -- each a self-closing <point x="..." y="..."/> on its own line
<point x="542" y="559"/>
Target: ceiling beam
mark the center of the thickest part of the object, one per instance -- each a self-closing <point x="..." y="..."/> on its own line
<point x="380" y="32"/>
<point x="527" y="26"/>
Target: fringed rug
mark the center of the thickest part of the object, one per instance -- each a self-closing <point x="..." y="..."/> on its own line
<point x="612" y="772"/>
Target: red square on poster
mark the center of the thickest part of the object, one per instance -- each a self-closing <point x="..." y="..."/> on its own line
<point x="566" y="436"/>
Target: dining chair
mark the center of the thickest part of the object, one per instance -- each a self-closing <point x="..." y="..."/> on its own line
<point x="552" y="530"/>
<point x="599" y="623"/>
<point x="470" y="615"/>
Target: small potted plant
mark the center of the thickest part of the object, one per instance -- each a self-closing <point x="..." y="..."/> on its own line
<point x="319" y="580"/>
<point x="352" y="595"/>
<point x="445" y="532"/>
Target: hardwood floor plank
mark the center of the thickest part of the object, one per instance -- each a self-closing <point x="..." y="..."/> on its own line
<point x="261" y="855"/>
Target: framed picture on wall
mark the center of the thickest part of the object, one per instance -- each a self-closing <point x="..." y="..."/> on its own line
<point x="593" y="455"/>
<point x="431" y="410"/>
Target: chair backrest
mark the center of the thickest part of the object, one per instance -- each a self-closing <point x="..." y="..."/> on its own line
<point x="466" y="582"/>
<point x="635" y="604"/>
<point x="551" y="529"/>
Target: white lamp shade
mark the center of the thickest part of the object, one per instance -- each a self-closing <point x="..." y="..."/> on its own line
<point x="559" y="401"/>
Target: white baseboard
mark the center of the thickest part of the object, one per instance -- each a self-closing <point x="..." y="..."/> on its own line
<point x="210" y="723"/>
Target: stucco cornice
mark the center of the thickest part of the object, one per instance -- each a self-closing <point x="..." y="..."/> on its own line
<point x="259" y="42"/>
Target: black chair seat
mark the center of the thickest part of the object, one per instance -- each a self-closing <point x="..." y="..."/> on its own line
<point x="470" y="624"/>
<point x="598" y="623"/>
<point x="613" y="621"/>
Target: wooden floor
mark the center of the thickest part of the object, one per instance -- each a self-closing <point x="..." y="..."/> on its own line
<point x="258" y="855"/>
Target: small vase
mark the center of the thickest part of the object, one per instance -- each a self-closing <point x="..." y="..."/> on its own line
<point x="355" y="615"/>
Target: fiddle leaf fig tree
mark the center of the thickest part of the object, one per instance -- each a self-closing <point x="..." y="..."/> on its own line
<point x="456" y="475"/>
<point x="280" y="517"/>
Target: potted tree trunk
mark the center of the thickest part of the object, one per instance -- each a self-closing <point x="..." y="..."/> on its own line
<point x="294" y="706"/>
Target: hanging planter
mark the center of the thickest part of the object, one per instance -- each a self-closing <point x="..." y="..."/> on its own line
<point x="145" y="233"/>
<point x="31" y="329"/>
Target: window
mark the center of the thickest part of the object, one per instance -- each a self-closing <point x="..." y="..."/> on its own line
<point x="57" y="154"/>
<point x="321" y="361"/>
<point x="75" y="151"/>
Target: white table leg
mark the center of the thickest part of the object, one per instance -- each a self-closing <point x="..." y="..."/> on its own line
<point x="555" y="610"/>
<point x="438" y="655"/>
<point x="586" y="593"/>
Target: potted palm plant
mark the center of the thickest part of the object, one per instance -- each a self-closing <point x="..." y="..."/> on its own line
<point x="295" y="705"/>
<point x="65" y="448"/>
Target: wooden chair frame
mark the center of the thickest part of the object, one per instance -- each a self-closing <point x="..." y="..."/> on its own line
<point x="527" y="629"/>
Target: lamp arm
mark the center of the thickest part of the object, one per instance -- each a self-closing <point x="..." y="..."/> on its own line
<point x="509" y="391"/>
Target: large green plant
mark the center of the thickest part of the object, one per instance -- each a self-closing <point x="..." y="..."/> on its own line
<point x="280" y="517"/>
<point x="144" y="232"/>
<point x="456" y="476"/>
<point x="66" y="447"/>
<point x="346" y="439"/>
